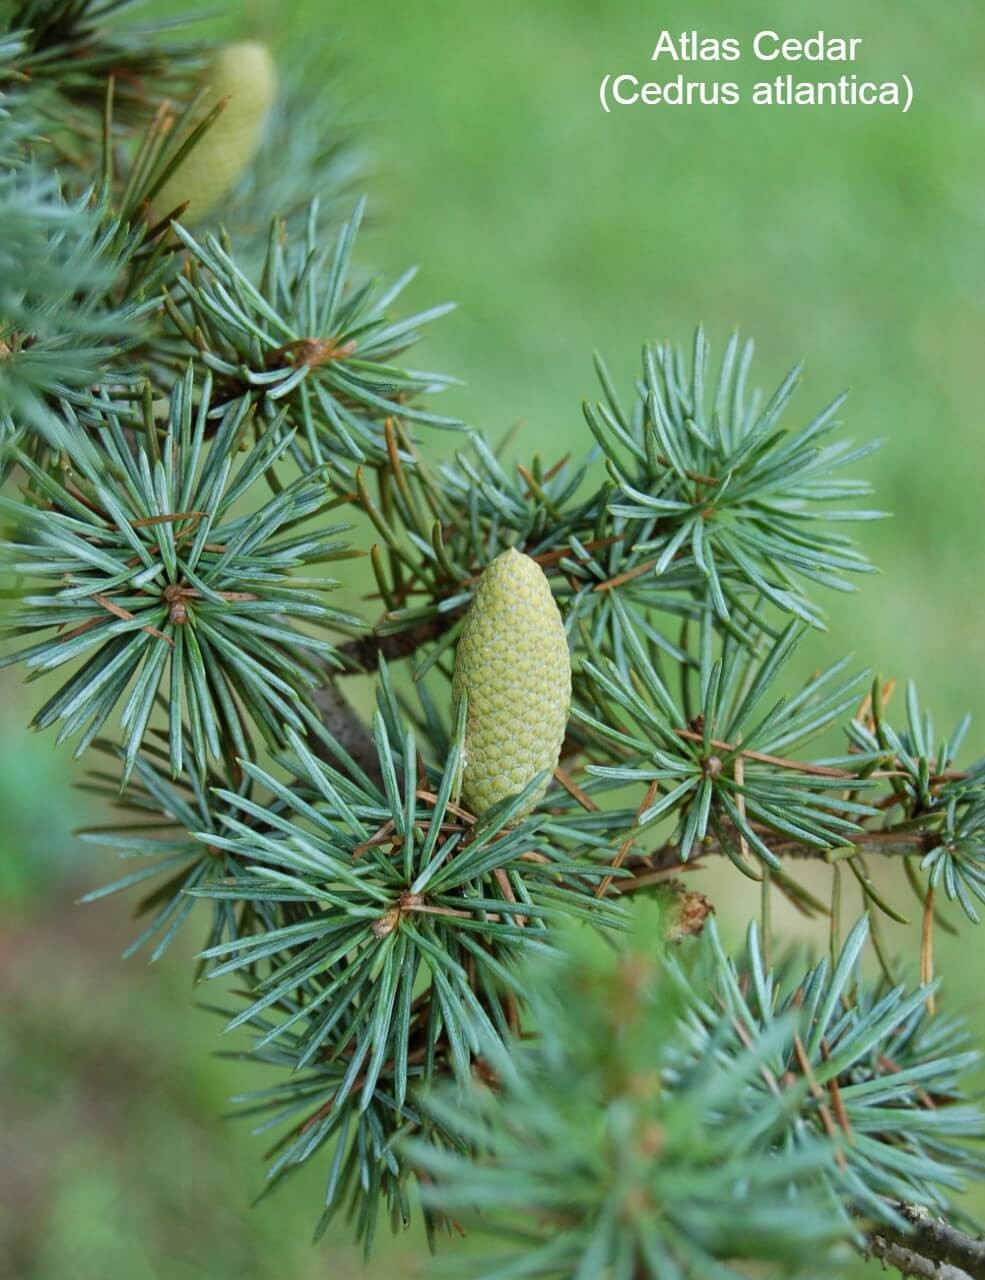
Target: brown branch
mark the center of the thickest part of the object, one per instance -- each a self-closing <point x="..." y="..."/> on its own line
<point x="364" y="653"/>
<point x="573" y="790"/>
<point x="344" y="724"/>
<point x="781" y="762"/>
<point x="119" y="612"/>
<point x="627" y="576"/>
<point x="800" y="766"/>
<point x="908" y="1262"/>
<point x="955" y="1254"/>
<point x="652" y="868"/>
<point x="624" y="849"/>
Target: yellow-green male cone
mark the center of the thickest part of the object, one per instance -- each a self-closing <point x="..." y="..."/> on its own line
<point x="514" y="667"/>
<point x="245" y="74"/>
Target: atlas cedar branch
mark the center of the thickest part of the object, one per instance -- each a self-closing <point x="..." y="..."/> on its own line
<point x="578" y="692"/>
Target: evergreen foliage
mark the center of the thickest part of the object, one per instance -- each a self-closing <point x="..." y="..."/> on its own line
<point x="194" y="421"/>
<point x="738" y="1118"/>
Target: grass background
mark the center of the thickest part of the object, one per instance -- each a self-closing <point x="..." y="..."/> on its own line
<point x="850" y="237"/>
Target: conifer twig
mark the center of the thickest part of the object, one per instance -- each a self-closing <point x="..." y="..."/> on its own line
<point x="650" y="868"/>
<point x="950" y="1254"/>
<point x="908" y="1262"/>
<point x="344" y="724"/>
<point x="364" y="652"/>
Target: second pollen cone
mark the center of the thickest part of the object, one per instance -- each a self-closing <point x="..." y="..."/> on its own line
<point x="245" y="74"/>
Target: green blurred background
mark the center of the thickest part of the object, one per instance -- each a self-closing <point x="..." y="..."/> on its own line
<point x="852" y="238"/>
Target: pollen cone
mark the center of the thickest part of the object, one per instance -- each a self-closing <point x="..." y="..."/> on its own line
<point x="513" y="665"/>
<point x="245" y="74"/>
